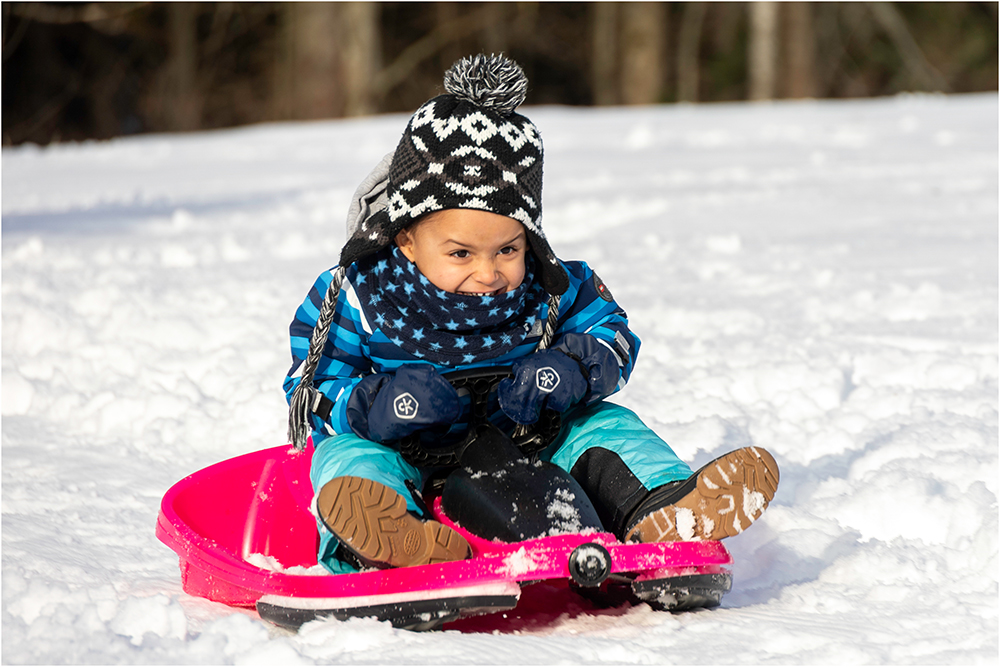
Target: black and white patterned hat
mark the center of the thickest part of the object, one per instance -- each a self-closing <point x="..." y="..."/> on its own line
<point x="466" y="149"/>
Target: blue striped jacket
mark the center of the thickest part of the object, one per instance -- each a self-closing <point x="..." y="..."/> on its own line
<point x="355" y="348"/>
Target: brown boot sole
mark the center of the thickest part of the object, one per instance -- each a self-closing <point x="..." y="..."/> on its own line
<point x="372" y="521"/>
<point x="731" y="493"/>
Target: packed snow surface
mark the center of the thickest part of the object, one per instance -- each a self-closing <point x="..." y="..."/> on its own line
<point x="815" y="278"/>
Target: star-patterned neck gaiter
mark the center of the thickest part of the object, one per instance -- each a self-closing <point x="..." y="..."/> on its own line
<point x="443" y="327"/>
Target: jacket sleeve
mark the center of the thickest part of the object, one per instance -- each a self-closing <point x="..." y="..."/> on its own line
<point x="345" y="358"/>
<point x="591" y="324"/>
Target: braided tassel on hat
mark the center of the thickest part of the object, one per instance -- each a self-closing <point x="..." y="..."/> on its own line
<point x="305" y="395"/>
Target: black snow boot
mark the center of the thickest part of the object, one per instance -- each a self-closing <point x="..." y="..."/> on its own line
<point x="722" y="499"/>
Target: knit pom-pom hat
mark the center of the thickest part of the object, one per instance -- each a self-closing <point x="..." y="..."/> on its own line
<point x="467" y="148"/>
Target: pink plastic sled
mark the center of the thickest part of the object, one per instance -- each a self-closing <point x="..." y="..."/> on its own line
<point x="246" y="537"/>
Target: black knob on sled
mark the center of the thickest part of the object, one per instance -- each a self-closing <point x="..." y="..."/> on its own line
<point x="589" y="564"/>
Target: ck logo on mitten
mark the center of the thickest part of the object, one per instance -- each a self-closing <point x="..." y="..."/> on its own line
<point x="546" y="379"/>
<point x="405" y="406"/>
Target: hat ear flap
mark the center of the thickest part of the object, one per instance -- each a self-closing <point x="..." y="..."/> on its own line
<point x="551" y="273"/>
<point x="371" y="196"/>
<point x="375" y="233"/>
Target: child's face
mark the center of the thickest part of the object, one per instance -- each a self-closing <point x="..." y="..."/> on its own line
<point x="467" y="251"/>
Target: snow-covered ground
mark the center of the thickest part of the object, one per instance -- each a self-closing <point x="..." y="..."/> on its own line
<point x="817" y="278"/>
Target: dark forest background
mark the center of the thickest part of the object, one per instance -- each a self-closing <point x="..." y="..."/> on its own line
<point x="74" y="71"/>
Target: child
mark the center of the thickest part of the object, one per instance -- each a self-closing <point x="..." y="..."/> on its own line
<point x="448" y="268"/>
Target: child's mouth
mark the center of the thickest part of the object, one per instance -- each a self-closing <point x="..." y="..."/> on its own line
<point x="491" y="293"/>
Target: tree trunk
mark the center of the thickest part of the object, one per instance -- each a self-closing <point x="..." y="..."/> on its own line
<point x="604" y="53"/>
<point x="360" y="56"/>
<point x="643" y="27"/>
<point x="688" y="48"/>
<point x="495" y="38"/>
<point x="444" y="14"/>
<point x="525" y="19"/>
<point x="763" y="49"/>
<point x="800" y="49"/>
<point x="306" y="83"/>
<point x="182" y="101"/>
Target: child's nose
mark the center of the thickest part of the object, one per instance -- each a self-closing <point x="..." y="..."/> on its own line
<point x="486" y="271"/>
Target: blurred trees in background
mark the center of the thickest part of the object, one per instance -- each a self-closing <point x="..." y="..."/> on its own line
<point x="74" y="71"/>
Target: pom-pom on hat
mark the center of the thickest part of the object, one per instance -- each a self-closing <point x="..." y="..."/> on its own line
<point x="470" y="149"/>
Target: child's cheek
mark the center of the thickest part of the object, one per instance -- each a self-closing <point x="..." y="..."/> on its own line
<point x="518" y="272"/>
<point x="444" y="280"/>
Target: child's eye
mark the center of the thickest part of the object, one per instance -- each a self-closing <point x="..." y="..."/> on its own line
<point x="460" y="254"/>
<point x="509" y="250"/>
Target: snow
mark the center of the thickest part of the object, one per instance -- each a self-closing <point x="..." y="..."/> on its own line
<point x="521" y="562"/>
<point x="687" y="523"/>
<point x="271" y="564"/>
<point x="815" y="278"/>
<point x="563" y="513"/>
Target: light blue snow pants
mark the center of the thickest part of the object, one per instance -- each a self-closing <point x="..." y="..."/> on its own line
<point x="615" y="457"/>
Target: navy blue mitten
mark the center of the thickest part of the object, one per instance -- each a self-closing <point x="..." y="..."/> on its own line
<point x="385" y="408"/>
<point x="601" y="366"/>
<point x="576" y="367"/>
<point x="547" y="379"/>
